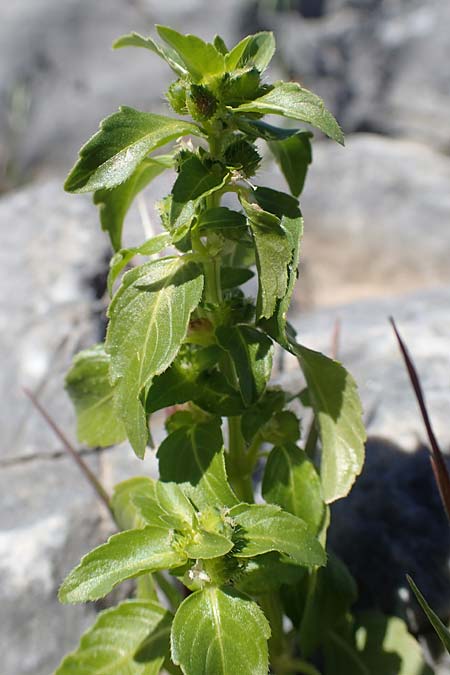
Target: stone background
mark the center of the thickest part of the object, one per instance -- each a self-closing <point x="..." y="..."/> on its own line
<point x="377" y="243"/>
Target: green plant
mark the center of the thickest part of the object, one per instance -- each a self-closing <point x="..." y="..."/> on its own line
<point x="182" y="332"/>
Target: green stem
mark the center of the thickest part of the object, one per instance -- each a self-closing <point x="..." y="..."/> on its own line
<point x="240" y="478"/>
<point x="272" y="608"/>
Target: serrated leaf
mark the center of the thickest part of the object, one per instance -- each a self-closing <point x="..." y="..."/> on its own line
<point x="125" y="512"/>
<point x="149" y="317"/>
<point x="204" y="545"/>
<point x="193" y="457"/>
<point x="220" y="631"/>
<point x="254" y="50"/>
<point x="291" y="481"/>
<point x="89" y="388"/>
<point x="201" y="59"/>
<point x="194" y="180"/>
<point x="251" y="352"/>
<point x="441" y="630"/>
<point x="108" y="648"/>
<point x="169" y="55"/>
<point x="338" y="415"/>
<point x="122" y="142"/>
<point x="265" y="527"/>
<point x="114" y="204"/>
<point x="293" y="156"/>
<point x="123" y="257"/>
<point x="289" y="99"/>
<point x="124" y="556"/>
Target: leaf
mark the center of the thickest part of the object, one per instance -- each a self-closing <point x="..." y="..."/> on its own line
<point x="266" y="527"/>
<point x="289" y="99"/>
<point x="149" y="317"/>
<point x="124" y="556"/>
<point x="254" y="419"/>
<point x="273" y="254"/>
<point x="261" y="129"/>
<point x="441" y="630"/>
<point x="291" y="481"/>
<point x="220" y="218"/>
<point x="164" y="505"/>
<point x="169" y="55"/>
<point x="293" y="156"/>
<point x="108" y="648"/>
<point x="193" y="457"/>
<point x="338" y="415"/>
<point x="254" y="50"/>
<point x="194" y="180"/>
<point x="251" y="352"/>
<point x="114" y="204"/>
<point x="204" y="545"/>
<point x="122" y="142"/>
<point x="123" y="257"/>
<point x="217" y="630"/>
<point x="201" y="58"/>
<point x="125" y="512"/>
<point x="89" y="388"/>
<point x="230" y="277"/>
<point x="267" y="572"/>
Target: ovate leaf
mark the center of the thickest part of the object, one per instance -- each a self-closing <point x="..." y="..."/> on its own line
<point x="200" y="58"/>
<point x="123" y="257"/>
<point x="254" y="50"/>
<point x="169" y="55"/>
<point x="124" y="139"/>
<point x="164" y="505"/>
<point x="124" y="556"/>
<point x="265" y="527"/>
<point x="291" y="481"/>
<point x="115" y="203"/>
<point x="251" y="352"/>
<point x="289" y="99"/>
<point x="293" y="155"/>
<point x="149" y="317"/>
<point x="194" y="180"/>
<point x="220" y="631"/>
<point x="109" y="647"/>
<point x="193" y="457"/>
<point x="125" y="512"/>
<point x="442" y="631"/>
<point x="338" y="415"/>
<point x="88" y="385"/>
<point x="221" y="218"/>
<point x="204" y="545"/>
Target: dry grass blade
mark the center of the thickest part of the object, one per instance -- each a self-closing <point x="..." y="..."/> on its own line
<point x="437" y="459"/>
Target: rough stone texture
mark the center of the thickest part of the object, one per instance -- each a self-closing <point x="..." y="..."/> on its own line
<point x="378" y="64"/>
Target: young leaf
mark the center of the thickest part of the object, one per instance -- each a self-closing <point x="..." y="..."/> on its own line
<point x="115" y="203"/>
<point x="442" y="631"/>
<point x="124" y="556"/>
<point x="204" y="545"/>
<point x="164" y="505"/>
<point x="201" y="59"/>
<point x="125" y="512"/>
<point x="193" y="457"/>
<point x="254" y="419"/>
<point x="265" y="527"/>
<point x="293" y="156"/>
<point x="88" y="385"/>
<point x="261" y="129"/>
<point x="124" y="139"/>
<point x="251" y="352"/>
<point x="109" y="647"/>
<point x="123" y="257"/>
<point x="217" y="630"/>
<point x="289" y="99"/>
<point x="149" y="317"/>
<point x="194" y="180"/>
<point x="291" y="481"/>
<point x="254" y="50"/>
<point x="338" y="416"/>
<point x="169" y="55"/>
<point x="220" y="218"/>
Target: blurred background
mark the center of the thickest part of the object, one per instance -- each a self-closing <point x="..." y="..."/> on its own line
<point x="377" y="243"/>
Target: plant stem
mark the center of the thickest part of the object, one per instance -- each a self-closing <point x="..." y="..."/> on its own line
<point x="272" y="608"/>
<point x="237" y="467"/>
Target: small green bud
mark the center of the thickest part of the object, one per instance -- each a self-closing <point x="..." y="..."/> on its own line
<point x="201" y="103"/>
<point x="176" y="96"/>
<point x="240" y="86"/>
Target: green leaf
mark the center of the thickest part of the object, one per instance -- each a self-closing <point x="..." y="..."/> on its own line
<point x="338" y="416"/>
<point x="204" y="545"/>
<point x="291" y="481"/>
<point x="124" y="139"/>
<point x="125" y="512"/>
<point x="265" y="527"/>
<point x="124" y="556"/>
<point x="108" y="648"/>
<point x="251" y="352"/>
<point x="220" y="631"/>
<point x="267" y="572"/>
<point x="123" y="257"/>
<point x="231" y="277"/>
<point x="220" y="45"/>
<point x="273" y="254"/>
<point x="254" y="50"/>
<point x="260" y="129"/>
<point x="201" y="59"/>
<point x="193" y="457"/>
<point x="441" y="630"/>
<point x="88" y="385"/>
<point x="289" y="99"/>
<point x="293" y="156"/>
<point x="254" y="419"/>
<point x="169" y="55"/>
<point x="164" y="505"/>
<point x="220" y="218"/>
<point x="156" y="645"/>
<point x="149" y="317"/>
<point x="194" y="180"/>
<point x="114" y="204"/>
